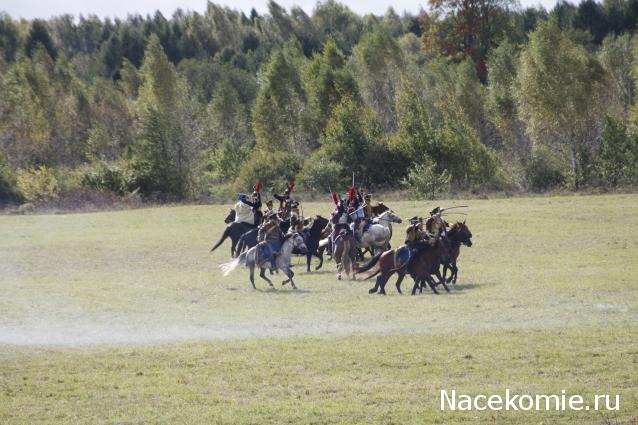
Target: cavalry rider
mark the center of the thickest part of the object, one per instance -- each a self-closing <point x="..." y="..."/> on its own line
<point x="296" y="220"/>
<point x="285" y="200"/>
<point x="435" y="225"/>
<point x="364" y="213"/>
<point x="269" y="208"/>
<point x="340" y="217"/>
<point x="243" y="210"/>
<point x="414" y="232"/>
<point x="255" y="204"/>
<point x="367" y="205"/>
<point x="270" y="232"/>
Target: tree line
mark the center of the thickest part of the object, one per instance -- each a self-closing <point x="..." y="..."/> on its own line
<point x="470" y="95"/>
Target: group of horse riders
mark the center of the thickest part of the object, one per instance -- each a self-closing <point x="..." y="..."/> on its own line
<point x="269" y="221"/>
<point x="354" y="214"/>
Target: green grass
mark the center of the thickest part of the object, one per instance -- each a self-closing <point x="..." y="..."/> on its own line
<point x="123" y="317"/>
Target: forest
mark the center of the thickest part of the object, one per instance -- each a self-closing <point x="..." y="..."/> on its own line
<point x="468" y="95"/>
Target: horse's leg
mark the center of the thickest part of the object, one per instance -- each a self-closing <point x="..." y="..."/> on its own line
<point x="308" y="259"/>
<point x="446" y="267"/>
<point x="432" y="285"/>
<point x="233" y="245"/>
<point x="399" y="280"/>
<point x="445" y="286"/>
<point x="416" y="285"/>
<point x="288" y="272"/>
<point x="383" y="282"/>
<point x="455" y="272"/>
<point x="319" y="255"/>
<point x="292" y="282"/>
<point x="376" y="285"/>
<point x="252" y="275"/>
<point x="262" y="274"/>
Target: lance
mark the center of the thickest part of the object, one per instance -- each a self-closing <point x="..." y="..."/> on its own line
<point x="451" y="208"/>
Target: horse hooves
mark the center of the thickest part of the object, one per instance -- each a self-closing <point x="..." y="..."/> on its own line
<point x="339" y="277"/>
<point x="372" y="291"/>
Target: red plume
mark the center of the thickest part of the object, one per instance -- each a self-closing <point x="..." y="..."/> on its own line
<point x="291" y="186"/>
<point x="351" y="193"/>
<point x="335" y="198"/>
<point x="257" y="187"/>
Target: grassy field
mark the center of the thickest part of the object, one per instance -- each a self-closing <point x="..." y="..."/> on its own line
<point x="124" y="317"/>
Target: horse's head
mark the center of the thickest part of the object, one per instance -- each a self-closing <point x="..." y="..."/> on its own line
<point x="230" y="217"/>
<point x="390" y="216"/>
<point x="298" y="243"/>
<point x="461" y="233"/>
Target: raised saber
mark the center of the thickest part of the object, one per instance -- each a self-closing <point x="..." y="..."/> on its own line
<point x="451" y="208"/>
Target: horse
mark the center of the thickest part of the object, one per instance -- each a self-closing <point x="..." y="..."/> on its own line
<point x="430" y="254"/>
<point x="458" y="234"/>
<point x="426" y="264"/>
<point x="253" y="259"/>
<point x="249" y="239"/>
<point x="234" y="231"/>
<point x="378" y="208"/>
<point x="345" y="252"/>
<point x="231" y="216"/>
<point x="378" y="235"/>
<point x="312" y="237"/>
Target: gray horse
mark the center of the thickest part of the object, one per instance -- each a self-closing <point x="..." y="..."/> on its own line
<point x="253" y="259"/>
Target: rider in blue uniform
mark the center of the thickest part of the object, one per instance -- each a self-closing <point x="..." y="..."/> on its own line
<point x="271" y="233"/>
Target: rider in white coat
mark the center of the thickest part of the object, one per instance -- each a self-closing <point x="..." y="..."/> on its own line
<point x="244" y="212"/>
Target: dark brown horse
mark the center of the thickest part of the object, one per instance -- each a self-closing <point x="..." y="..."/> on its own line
<point x="426" y="263"/>
<point x="421" y="268"/>
<point x="459" y="234"/>
<point x="420" y="262"/>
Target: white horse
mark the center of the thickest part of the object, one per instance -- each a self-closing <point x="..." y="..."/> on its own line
<point x="379" y="233"/>
<point x="282" y="259"/>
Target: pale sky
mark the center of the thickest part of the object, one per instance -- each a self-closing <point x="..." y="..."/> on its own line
<point x="120" y="8"/>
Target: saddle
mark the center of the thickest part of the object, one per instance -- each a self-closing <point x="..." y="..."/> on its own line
<point x="367" y="225"/>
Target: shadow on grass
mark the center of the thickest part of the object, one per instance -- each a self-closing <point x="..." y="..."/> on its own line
<point x="283" y="290"/>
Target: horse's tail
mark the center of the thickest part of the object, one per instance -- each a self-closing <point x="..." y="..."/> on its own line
<point x="345" y="255"/>
<point x="227" y="268"/>
<point x="222" y="239"/>
<point x="367" y="266"/>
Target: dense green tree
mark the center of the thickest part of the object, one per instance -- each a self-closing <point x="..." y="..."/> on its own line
<point x="163" y="153"/>
<point x="39" y="35"/>
<point x="280" y="113"/>
<point x="9" y="38"/>
<point x="327" y="81"/>
<point x="616" y="56"/>
<point x="378" y="60"/>
<point x="558" y="93"/>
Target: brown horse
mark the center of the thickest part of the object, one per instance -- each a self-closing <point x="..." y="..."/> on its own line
<point x="420" y="262"/>
<point x="430" y="254"/>
<point x="458" y="234"/>
<point x="345" y="252"/>
<point x="426" y="263"/>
